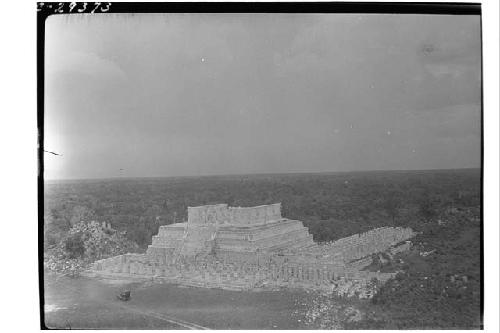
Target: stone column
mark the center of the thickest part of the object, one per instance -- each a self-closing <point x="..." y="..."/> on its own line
<point x="140" y="268"/>
<point x="134" y="268"/>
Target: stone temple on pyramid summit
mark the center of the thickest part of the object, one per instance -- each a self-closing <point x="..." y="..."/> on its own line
<point x="249" y="247"/>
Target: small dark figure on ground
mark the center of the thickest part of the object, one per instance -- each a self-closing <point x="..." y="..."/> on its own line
<point x="124" y="295"/>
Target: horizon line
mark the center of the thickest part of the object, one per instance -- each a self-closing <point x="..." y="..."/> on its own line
<point x="253" y="174"/>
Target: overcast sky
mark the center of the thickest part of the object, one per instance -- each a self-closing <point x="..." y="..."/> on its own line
<point x="172" y="95"/>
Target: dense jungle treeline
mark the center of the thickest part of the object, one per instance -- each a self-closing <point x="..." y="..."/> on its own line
<point x="331" y="205"/>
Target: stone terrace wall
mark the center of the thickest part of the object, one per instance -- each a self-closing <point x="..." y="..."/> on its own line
<point x="175" y="230"/>
<point x="222" y="214"/>
<point x="210" y="214"/>
<point x="209" y="271"/>
<point x="254" y="215"/>
<point x="267" y="269"/>
<point x="199" y="239"/>
<point x="346" y="250"/>
<point x="360" y="245"/>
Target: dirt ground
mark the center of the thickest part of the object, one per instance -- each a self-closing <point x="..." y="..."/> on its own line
<point x="88" y="303"/>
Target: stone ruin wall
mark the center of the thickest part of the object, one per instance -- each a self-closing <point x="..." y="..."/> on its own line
<point x="222" y="214"/>
<point x="244" y="275"/>
<point x="360" y="245"/>
<point x="400" y="248"/>
<point x="270" y="237"/>
<point x="221" y="227"/>
<point x="198" y="239"/>
<point x="266" y="242"/>
<point x="174" y="231"/>
<point x="254" y="215"/>
<point x="209" y="214"/>
<point x="265" y="268"/>
<point x="318" y="265"/>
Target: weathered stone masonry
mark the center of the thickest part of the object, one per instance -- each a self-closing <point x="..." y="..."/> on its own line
<point x="244" y="247"/>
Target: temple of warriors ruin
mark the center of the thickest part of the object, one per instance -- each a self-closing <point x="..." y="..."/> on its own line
<point x="246" y="247"/>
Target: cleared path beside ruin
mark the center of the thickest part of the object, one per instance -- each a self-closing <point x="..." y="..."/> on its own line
<point x="74" y="304"/>
<point x="164" y="317"/>
<point x="91" y="304"/>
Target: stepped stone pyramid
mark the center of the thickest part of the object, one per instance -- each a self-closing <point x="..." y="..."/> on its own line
<point x="241" y="248"/>
<point x="232" y="233"/>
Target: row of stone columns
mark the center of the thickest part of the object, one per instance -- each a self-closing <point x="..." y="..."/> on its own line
<point x="360" y="245"/>
<point x="303" y="273"/>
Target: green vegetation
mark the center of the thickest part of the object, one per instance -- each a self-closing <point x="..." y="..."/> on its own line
<point x="85" y="243"/>
<point x="443" y="205"/>
<point x="439" y="285"/>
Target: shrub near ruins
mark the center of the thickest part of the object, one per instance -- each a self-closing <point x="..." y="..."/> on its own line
<point x="86" y="242"/>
